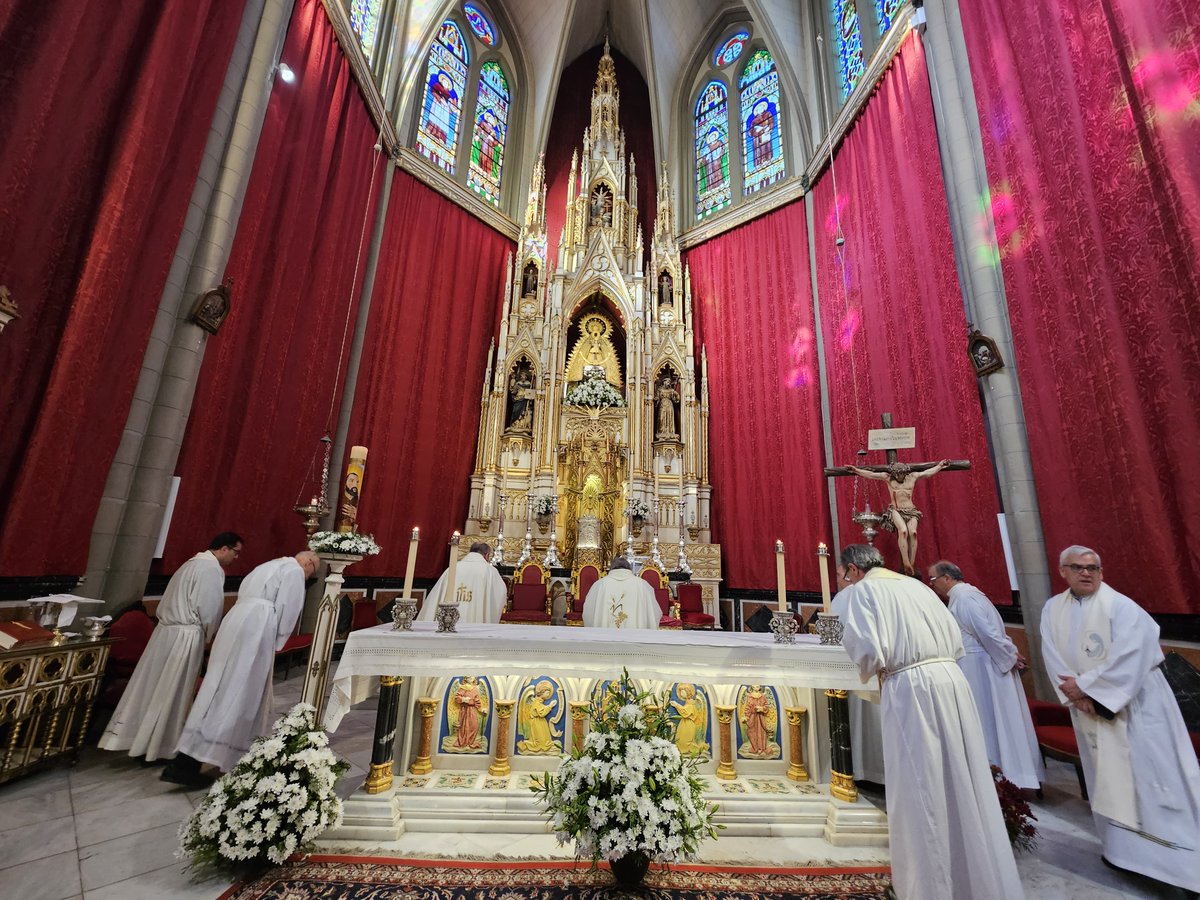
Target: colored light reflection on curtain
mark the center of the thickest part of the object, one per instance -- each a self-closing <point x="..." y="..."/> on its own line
<point x="104" y="112"/>
<point x="895" y="330"/>
<point x="435" y="308"/>
<point x="264" y="393"/>
<point x="753" y="303"/>
<point x="1090" y="116"/>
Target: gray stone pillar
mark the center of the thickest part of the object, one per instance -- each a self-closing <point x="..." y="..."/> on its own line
<point x="130" y="515"/>
<point x="965" y="176"/>
<point x="822" y="370"/>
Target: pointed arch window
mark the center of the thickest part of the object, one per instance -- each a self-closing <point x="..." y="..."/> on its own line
<point x="762" y="143"/>
<point x="491" y="132"/>
<point x="886" y="12"/>
<point x="851" y="63"/>
<point x="713" y="189"/>
<point x="364" y="19"/>
<point x="445" y="84"/>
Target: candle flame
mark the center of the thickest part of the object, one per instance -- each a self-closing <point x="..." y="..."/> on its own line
<point x="416" y="533"/>
<point x="779" y="546"/>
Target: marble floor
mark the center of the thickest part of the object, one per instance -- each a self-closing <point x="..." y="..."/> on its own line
<point x="107" y="829"/>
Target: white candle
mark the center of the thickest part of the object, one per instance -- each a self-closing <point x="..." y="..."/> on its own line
<point x="780" y="577"/>
<point x="451" y="579"/>
<point x="823" y="564"/>
<point x="412" y="563"/>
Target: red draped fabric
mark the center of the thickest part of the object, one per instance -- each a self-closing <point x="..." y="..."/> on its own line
<point x="753" y="300"/>
<point x="1090" y="114"/>
<point x="434" y="311"/>
<point x="104" y="111"/>
<point x="264" y="396"/>
<point x="895" y="330"/>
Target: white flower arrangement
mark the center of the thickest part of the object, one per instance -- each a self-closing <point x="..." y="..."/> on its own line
<point x="276" y="801"/>
<point x="637" y="507"/>
<point x="629" y="791"/>
<point x="543" y="504"/>
<point x="595" y="392"/>
<point x="343" y="542"/>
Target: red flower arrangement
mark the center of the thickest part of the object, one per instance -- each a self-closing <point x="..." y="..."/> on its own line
<point x="1018" y="817"/>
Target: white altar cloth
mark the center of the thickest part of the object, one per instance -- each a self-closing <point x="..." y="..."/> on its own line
<point x="707" y="657"/>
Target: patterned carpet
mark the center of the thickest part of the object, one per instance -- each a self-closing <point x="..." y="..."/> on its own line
<point x="357" y="878"/>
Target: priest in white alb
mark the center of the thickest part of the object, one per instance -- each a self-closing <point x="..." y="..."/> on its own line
<point x="234" y="704"/>
<point x="152" y="710"/>
<point x="1103" y="656"/>
<point x="947" y="835"/>
<point x="478" y="587"/>
<point x="866" y="725"/>
<point x="992" y="666"/>
<point x="621" y="600"/>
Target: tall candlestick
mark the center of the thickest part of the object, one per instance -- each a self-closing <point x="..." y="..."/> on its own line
<point x="823" y="564"/>
<point x="347" y="520"/>
<point x="452" y="577"/>
<point x="411" y="565"/>
<point x="780" y="577"/>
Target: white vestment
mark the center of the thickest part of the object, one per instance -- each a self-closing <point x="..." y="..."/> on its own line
<point x="1141" y="770"/>
<point x="948" y="839"/>
<point x="486" y="587"/>
<point x="866" y="728"/>
<point x="148" y="720"/>
<point x="234" y="703"/>
<point x="990" y="666"/>
<point x="621" y="600"/>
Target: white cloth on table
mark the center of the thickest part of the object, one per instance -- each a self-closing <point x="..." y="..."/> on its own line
<point x="150" y="715"/>
<point x="487" y="589"/>
<point x="234" y="703"/>
<point x="948" y="839"/>
<point x="1140" y="768"/>
<point x="990" y="666"/>
<point x="866" y="727"/>
<point x="621" y="600"/>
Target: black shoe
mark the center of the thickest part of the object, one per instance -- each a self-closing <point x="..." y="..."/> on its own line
<point x="186" y="771"/>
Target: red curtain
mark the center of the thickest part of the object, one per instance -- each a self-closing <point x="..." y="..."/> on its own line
<point x="434" y="311"/>
<point x="753" y="300"/>
<point x="1090" y="114"/>
<point x="264" y="397"/>
<point x="104" y="111"/>
<point x="895" y="331"/>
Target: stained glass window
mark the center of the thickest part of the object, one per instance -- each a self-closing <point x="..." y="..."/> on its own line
<point x="479" y="24"/>
<point x="849" y="44"/>
<point x="491" y="130"/>
<point x="731" y="49"/>
<point x="364" y="19"/>
<point x="713" y="191"/>
<point x="886" y="12"/>
<point x="445" y="84"/>
<point x="762" y="143"/>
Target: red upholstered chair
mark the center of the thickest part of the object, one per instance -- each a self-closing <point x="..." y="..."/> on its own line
<point x="691" y="607"/>
<point x="581" y="583"/>
<point x="657" y="579"/>
<point x="530" y="602"/>
<point x="293" y="648"/>
<point x="1056" y="736"/>
<point x="365" y="614"/>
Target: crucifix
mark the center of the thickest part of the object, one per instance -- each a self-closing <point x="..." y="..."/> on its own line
<point x="901" y="479"/>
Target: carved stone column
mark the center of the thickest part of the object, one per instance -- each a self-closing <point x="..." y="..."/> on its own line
<point x="504" y="710"/>
<point x="422" y="764"/>
<point x="379" y="778"/>
<point x="316" y="675"/>
<point x="841" y="761"/>
<point x="579" y="715"/>
<point x="795" y="719"/>
<point x="726" y="771"/>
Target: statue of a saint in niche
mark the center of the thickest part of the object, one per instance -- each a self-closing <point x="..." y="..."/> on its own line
<point x="520" y="396"/>
<point x="600" y="207"/>
<point x="666" y="397"/>
<point x="529" y="280"/>
<point x="666" y="290"/>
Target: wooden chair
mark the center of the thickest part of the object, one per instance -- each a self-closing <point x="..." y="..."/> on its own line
<point x="657" y="579"/>
<point x="529" y="602"/>
<point x="691" y="607"/>
<point x="581" y="582"/>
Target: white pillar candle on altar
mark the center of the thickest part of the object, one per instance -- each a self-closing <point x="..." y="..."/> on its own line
<point x="823" y="564"/>
<point x="452" y="576"/>
<point x="411" y="565"/>
<point x="780" y="577"/>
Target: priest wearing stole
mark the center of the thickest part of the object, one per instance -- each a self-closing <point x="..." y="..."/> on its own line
<point x="992" y="666"/>
<point x="148" y="720"/>
<point x="621" y="600"/>
<point x="948" y="839"/>
<point x="1103" y="655"/>
<point x="478" y="584"/>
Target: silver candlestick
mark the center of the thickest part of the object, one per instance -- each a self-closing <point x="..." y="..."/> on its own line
<point x="498" y="553"/>
<point x="403" y="613"/>
<point x="682" y="564"/>
<point x="783" y="624"/>
<point x="447" y="617"/>
<point x="551" y="560"/>
<point x="829" y="627"/>
<point x="654" y="554"/>
<point x="526" y="551"/>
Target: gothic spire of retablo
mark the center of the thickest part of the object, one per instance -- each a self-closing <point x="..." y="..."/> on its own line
<point x="664" y="216"/>
<point x="606" y="100"/>
<point x="535" y="206"/>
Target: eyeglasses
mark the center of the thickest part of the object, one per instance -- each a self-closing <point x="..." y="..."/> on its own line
<point x="1079" y="570"/>
<point x="933" y="578"/>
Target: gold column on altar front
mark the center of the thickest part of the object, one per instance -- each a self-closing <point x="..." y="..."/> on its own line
<point x="726" y="771"/>
<point x="579" y="715"/>
<point x="795" y="719"/>
<point x="422" y="765"/>
<point x="500" y="765"/>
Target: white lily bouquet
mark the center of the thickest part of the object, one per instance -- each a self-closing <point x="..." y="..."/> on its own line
<point x="629" y="792"/>
<point x="595" y="392"/>
<point x="543" y="504"/>
<point x="277" y="800"/>
<point x="343" y="542"/>
<point x="637" y="507"/>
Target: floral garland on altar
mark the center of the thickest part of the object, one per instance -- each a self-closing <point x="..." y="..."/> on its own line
<point x="595" y="392"/>
<point x="343" y="542"/>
